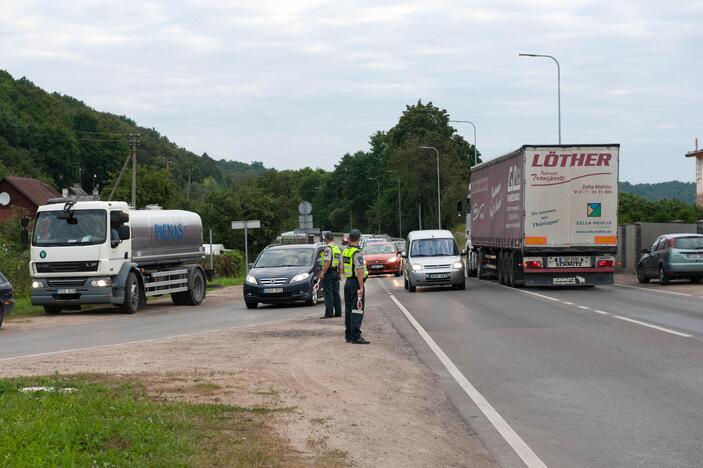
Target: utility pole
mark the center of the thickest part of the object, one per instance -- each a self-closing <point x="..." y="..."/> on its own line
<point x="133" y="140"/>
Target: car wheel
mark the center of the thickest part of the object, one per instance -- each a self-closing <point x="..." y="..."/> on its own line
<point x="2" y="315"/>
<point x="411" y="286"/>
<point x="131" y="294"/>
<point x="251" y="305"/>
<point x="398" y="273"/>
<point x="696" y="279"/>
<point x="663" y="277"/>
<point x="641" y="277"/>
<point x="52" y="310"/>
<point x="405" y="283"/>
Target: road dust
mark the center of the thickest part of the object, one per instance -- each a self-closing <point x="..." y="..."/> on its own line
<point x="375" y="405"/>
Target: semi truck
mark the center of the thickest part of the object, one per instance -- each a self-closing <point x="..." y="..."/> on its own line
<point x="545" y="215"/>
<point x="97" y="252"/>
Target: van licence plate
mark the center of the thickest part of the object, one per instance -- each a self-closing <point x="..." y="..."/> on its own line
<point x="273" y="290"/>
<point x="569" y="262"/>
<point x="66" y="291"/>
<point x="439" y="275"/>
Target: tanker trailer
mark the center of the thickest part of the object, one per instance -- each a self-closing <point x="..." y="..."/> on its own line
<point x="98" y="252"/>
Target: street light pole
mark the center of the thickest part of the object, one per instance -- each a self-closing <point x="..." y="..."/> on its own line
<point x="439" y="201"/>
<point x="378" y="202"/>
<point x="400" y="216"/>
<point x="558" y="85"/>
<point x="475" y="143"/>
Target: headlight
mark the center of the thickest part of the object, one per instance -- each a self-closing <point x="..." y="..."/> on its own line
<point x="37" y="284"/>
<point x="417" y="267"/>
<point x="101" y="283"/>
<point x="251" y="280"/>
<point x="458" y="265"/>
<point x="392" y="260"/>
<point x="300" y="277"/>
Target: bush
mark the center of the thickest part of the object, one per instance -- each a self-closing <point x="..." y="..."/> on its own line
<point x="230" y="264"/>
<point x="14" y="264"/>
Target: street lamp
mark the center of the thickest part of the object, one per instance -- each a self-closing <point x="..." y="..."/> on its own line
<point x="439" y="204"/>
<point x="378" y="201"/>
<point x="474" y="126"/>
<point x="558" y="85"/>
<point x="400" y="219"/>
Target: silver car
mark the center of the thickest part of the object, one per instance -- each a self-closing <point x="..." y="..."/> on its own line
<point x="432" y="259"/>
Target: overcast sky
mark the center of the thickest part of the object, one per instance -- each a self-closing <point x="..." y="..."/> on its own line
<point x="298" y="83"/>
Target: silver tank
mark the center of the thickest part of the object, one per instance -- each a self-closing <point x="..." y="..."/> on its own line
<point x="165" y="236"/>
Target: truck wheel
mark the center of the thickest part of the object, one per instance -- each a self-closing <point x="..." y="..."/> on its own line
<point x="251" y="305"/>
<point x="641" y="277"/>
<point x="131" y="294"/>
<point x="177" y="298"/>
<point x="663" y="277"/>
<point x="52" y="310"/>
<point x="196" y="294"/>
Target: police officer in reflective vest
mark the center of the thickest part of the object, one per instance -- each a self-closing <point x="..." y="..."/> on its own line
<point x="331" y="263"/>
<point x="355" y="273"/>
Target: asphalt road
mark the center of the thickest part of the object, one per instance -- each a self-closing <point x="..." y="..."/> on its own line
<point x="151" y="323"/>
<point x="610" y="376"/>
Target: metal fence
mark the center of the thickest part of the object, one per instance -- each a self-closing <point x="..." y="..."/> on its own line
<point x="632" y="238"/>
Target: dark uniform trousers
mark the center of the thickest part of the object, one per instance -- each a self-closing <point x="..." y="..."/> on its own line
<point x="330" y="284"/>
<point x="352" y="321"/>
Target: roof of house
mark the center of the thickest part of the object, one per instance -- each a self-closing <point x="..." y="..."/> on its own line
<point x="35" y="190"/>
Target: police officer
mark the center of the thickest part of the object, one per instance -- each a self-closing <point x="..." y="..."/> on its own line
<point x="331" y="263"/>
<point x="355" y="273"/>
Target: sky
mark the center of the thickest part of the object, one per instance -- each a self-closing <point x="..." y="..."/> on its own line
<point x="296" y="83"/>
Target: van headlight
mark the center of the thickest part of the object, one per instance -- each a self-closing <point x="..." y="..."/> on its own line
<point x="101" y="283"/>
<point x="458" y="265"/>
<point x="251" y="280"/>
<point x="300" y="277"/>
<point x="37" y="284"/>
<point x="417" y="267"/>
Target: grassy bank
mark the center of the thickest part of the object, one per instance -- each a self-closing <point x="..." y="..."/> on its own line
<point x="112" y="422"/>
<point x="226" y="281"/>
<point x="24" y="307"/>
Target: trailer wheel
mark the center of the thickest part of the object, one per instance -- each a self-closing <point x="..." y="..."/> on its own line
<point x="510" y="273"/>
<point x="501" y="267"/>
<point x="52" y="310"/>
<point x="195" y="295"/>
<point x="131" y="294"/>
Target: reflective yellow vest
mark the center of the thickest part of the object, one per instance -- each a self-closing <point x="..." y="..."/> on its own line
<point x="336" y="255"/>
<point x="347" y="262"/>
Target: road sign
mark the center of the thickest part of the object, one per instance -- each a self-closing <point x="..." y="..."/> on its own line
<point x="305" y="208"/>
<point x="246" y="225"/>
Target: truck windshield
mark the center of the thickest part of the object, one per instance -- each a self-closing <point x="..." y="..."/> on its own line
<point x="83" y="227"/>
<point x="273" y="258"/>
<point x="433" y="248"/>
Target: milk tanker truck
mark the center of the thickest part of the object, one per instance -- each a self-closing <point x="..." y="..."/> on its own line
<point x="97" y="252"/>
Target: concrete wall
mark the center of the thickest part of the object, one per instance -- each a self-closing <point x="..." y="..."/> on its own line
<point x="632" y="238"/>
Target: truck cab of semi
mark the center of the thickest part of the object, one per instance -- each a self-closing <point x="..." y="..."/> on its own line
<point x="97" y="252"/>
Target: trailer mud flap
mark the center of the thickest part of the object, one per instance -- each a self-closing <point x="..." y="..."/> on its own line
<point x="568" y="279"/>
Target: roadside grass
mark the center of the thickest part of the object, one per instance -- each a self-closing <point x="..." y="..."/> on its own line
<point x="114" y="422"/>
<point x="23" y="308"/>
<point x="225" y="281"/>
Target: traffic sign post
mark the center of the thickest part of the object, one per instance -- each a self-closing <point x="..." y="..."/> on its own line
<point x="246" y="225"/>
<point x="305" y="218"/>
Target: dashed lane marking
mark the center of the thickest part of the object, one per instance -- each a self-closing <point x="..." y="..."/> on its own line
<point x="583" y="307"/>
<point x="656" y="327"/>
<point x="602" y="312"/>
<point x="568" y="303"/>
<point x="653" y="290"/>
<point x="510" y="436"/>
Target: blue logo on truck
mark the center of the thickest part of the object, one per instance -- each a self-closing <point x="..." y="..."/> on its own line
<point x="166" y="232"/>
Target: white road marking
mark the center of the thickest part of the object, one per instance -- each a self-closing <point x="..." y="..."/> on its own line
<point x="535" y="294"/>
<point x="652" y="290"/>
<point x="510" y="436"/>
<point x="656" y="327"/>
<point x="584" y="307"/>
<point x="602" y="312"/>
<point x="568" y="303"/>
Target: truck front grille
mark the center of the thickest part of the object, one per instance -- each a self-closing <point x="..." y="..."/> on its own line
<point x="66" y="283"/>
<point x="66" y="267"/>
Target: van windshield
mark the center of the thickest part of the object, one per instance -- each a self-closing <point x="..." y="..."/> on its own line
<point x="433" y="248"/>
<point x="81" y="227"/>
<point x="274" y="258"/>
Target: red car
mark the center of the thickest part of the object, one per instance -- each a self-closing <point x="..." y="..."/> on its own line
<point x="382" y="258"/>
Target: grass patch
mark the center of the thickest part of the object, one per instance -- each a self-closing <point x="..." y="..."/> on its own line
<point x="113" y="422"/>
<point x="225" y="281"/>
<point x="23" y="308"/>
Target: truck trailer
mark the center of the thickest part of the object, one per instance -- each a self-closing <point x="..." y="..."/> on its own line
<point x="545" y="215"/>
<point x="97" y="252"/>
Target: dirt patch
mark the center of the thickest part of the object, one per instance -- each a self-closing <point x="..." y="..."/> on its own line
<point x="161" y="305"/>
<point x="374" y="405"/>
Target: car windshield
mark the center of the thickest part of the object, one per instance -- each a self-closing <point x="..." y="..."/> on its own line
<point x="694" y="243"/>
<point x="275" y="258"/>
<point x="81" y="227"/>
<point x="379" y="249"/>
<point x="433" y="248"/>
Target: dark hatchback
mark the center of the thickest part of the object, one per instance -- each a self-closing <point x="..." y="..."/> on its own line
<point x="7" y="302"/>
<point x="284" y="274"/>
<point x="672" y="256"/>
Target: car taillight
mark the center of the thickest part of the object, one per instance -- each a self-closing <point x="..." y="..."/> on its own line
<point x="533" y="264"/>
<point x="670" y="243"/>
<point x="608" y="263"/>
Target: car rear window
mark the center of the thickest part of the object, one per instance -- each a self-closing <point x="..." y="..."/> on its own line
<point x="694" y="243"/>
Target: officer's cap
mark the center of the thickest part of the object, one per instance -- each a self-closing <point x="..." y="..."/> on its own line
<point x="354" y="234"/>
<point x="329" y="236"/>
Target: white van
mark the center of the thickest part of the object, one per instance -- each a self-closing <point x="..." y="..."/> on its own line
<point x="432" y="259"/>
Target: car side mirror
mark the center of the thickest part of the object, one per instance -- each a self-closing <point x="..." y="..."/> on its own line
<point x="251" y="265"/>
<point x="645" y="251"/>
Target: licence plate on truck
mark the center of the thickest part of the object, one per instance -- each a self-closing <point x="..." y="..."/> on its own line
<point x="439" y="275"/>
<point x="273" y="290"/>
<point x="568" y="262"/>
<point x="66" y="291"/>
